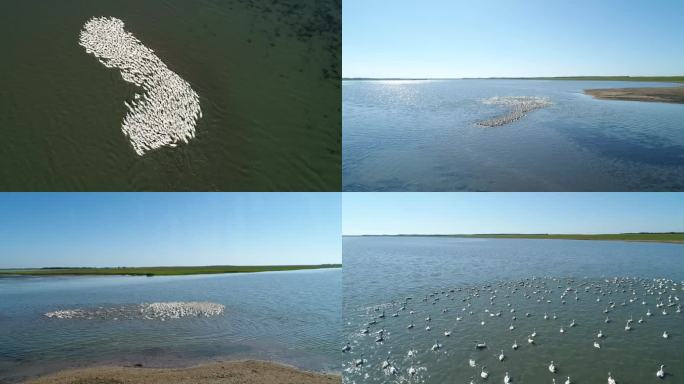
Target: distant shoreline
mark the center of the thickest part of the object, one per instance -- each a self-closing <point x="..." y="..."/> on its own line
<point x="241" y="371"/>
<point x="159" y="271"/>
<point x="672" y="238"/>
<point x="655" y="79"/>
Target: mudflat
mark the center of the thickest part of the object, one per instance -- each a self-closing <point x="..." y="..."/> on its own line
<point x="656" y="94"/>
<point x="233" y="372"/>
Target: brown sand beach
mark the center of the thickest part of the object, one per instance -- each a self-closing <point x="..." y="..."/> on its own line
<point x="657" y="94"/>
<point x="230" y="372"/>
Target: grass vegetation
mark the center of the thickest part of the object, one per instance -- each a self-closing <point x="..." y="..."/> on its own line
<point x="658" y="79"/>
<point x="160" y="271"/>
<point x="655" y="79"/>
<point x="667" y="237"/>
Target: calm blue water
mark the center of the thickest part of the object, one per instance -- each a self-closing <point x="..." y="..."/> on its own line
<point x="422" y="136"/>
<point x="381" y="272"/>
<point x="290" y="317"/>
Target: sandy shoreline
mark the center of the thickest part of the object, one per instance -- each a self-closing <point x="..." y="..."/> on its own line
<point x="237" y="372"/>
<point x="656" y="94"/>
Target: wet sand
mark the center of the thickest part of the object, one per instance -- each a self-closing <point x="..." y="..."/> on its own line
<point x="659" y="95"/>
<point x="233" y="372"/>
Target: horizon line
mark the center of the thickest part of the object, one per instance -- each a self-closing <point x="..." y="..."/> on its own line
<point x="178" y="266"/>
<point x="510" y="77"/>
<point x="517" y="233"/>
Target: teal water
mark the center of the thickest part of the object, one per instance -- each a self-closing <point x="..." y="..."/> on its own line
<point x="476" y="279"/>
<point x="424" y="136"/>
<point x="266" y="72"/>
<point x="298" y="323"/>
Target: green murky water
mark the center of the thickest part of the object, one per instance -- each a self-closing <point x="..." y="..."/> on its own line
<point x="266" y="71"/>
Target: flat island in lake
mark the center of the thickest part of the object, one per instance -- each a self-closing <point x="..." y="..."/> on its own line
<point x="656" y="94"/>
<point x="162" y="271"/>
<point x="243" y="372"/>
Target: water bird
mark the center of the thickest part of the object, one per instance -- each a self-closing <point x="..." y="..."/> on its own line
<point x="661" y="372"/>
<point x="471" y="363"/>
<point x="665" y="335"/>
<point x="501" y="356"/>
<point x="484" y="374"/>
<point x="552" y="367"/>
<point x="507" y="379"/>
<point x="597" y="345"/>
<point x="610" y="379"/>
<point x="515" y="345"/>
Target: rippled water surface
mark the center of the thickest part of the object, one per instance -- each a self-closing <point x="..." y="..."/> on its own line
<point x="424" y="136"/>
<point x="296" y="323"/>
<point x="386" y="277"/>
<point x="266" y="72"/>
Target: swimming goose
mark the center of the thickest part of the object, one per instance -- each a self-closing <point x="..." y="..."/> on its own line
<point x="610" y="379"/>
<point x="483" y="373"/>
<point x="507" y="379"/>
<point x="661" y="372"/>
<point x="552" y="367"/>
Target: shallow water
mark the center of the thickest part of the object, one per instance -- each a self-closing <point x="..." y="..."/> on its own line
<point x="266" y="72"/>
<point x="424" y="136"/>
<point x="298" y="323"/>
<point x="381" y="272"/>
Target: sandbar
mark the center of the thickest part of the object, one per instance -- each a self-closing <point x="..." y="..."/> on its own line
<point x="233" y="372"/>
<point x="655" y="94"/>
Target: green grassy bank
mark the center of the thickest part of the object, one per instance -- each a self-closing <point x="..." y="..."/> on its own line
<point x="658" y="79"/>
<point x="161" y="271"/>
<point x="669" y="237"/>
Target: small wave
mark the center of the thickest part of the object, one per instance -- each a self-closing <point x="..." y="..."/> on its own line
<point x="149" y="311"/>
<point x="519" y="107"/>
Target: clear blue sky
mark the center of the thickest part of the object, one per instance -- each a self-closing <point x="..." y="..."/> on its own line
<point x="152" y="229"/>
<point x="508" y="38"/>
<point x="467" y="213"/>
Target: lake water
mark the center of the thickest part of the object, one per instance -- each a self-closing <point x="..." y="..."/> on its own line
<point x="424" y="136"/>
<point x="484" y="276"/>
<point x="266" y="72"/>
<point x="289" y="317"/>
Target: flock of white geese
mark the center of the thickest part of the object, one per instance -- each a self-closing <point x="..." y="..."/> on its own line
<point x="167" y="111"/>
<point x="647" y="298"/>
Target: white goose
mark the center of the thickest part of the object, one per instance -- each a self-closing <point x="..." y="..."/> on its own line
<point x="610" y="379"/>
<point x="567" y="381"/>
<point x="661" y="372"/>
<point x="597" y="345"/>
<point x="552" y="367"/>
<point x="515" y="344"/>
<point x="507" y="379"/>
<point x="600" y="334"/>
<point x="665" y="335"/>
<point x="501" y="356"/>
<point x="483" y="373"/>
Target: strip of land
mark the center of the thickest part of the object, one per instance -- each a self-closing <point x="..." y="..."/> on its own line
<point x="652" y="79"/>
<point x="161" y="271"/>
<point x="670" y="237"/>
<point x="655" y="94"/>
<point x="233" y="372"/>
